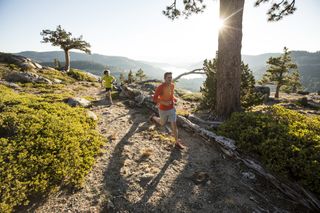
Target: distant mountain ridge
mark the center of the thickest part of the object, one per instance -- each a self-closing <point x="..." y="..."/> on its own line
<point x="95" y="63"/>
<point x="308" y="64"/>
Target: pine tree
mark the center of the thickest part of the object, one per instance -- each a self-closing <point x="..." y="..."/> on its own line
<point x="131" y="78"/>
<point x="140" y="74"/>
<point x="63" y="39"/>
<point x="278" y="72"/>
<point x="122" y="78"/>
<point x="248" y="96"/>
<point x="57" y="64"/>
<point x="294" y="83"/>
<point x="208" y="89"/>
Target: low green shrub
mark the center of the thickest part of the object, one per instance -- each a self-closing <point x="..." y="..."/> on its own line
<point x="13" y="67"/>
<point x="56" y="74"/>
<point x="42" y="88"/>
<point x="195" y="96"/>
<point x="80" y="75"/>
<point x="42" y="145"/>
<point x="4" y="69"/>
<point x="287" y="142"/>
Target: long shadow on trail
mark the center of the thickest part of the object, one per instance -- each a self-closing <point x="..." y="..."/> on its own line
<point x="115" y="184"/>
<point x="175" y="155"/>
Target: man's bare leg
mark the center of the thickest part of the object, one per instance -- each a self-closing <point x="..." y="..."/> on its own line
<point x="157" y="120"/>
<point x="109" y="97"/>
<point x="175" y="135"/>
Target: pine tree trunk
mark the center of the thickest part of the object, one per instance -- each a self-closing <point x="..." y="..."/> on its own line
<point x="276" y="95"/>
<point x="67" y="57"/>
<point x="229" y="59"/>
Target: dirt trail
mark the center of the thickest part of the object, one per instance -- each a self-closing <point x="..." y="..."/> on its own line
<point x="141" y="171"/>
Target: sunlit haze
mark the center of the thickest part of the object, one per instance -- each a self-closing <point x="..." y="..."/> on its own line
<point x="138" y="30"/>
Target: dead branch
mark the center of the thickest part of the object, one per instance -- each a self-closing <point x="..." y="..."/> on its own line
<point x="195" y="71"/>
<point x="150" y="81"/>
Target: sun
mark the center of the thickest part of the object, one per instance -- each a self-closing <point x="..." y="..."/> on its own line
<point x="220" y="24"/>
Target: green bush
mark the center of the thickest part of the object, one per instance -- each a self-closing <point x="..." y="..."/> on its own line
<point x="56" y="74"/>
<point x="286" y="141"/>
<point x="195" y="96"/>
<point x="4" y="69"/>
<point x="42" y="146"/>
<point x="80" y="75"/>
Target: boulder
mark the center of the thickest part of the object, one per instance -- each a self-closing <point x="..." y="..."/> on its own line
<point x="48" y="68"/>
<point x="57" y="81"/>
<point x="303" y="101"/>
<point x="11" y="85"/>
<point x="303" y="92"/>
<point x="264" y="91"/>
<point x="22" y="62"/>
<point x="92" y="115"/>
<point x="78" y="102"/>
<point x="26" y="77"/>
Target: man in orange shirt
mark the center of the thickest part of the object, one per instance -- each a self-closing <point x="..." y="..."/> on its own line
<point x="164" y="98"/>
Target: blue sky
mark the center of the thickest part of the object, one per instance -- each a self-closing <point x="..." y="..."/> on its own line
<point x="138" y="30"/>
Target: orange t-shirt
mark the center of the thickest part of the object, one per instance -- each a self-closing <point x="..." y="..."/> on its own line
<point x="164" y="92"/>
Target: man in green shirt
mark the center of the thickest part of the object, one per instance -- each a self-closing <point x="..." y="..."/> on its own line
<point x="107" y="81"/>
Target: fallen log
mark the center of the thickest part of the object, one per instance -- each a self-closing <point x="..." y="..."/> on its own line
<point x="225" y="142"/>
<point x="199" y="121"/>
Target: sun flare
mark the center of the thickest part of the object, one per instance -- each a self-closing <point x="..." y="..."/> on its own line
<point x="220" y="24"/>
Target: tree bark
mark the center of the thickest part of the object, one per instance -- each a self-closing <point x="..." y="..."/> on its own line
<point x="276" y="95"/>
<point x="229" y="59"/>
<point x="67" y="59"/>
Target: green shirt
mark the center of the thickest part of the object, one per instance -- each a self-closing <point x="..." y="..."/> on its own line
<point x="107" y="81"/>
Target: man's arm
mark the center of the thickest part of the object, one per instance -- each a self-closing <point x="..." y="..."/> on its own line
<point x="175" y="100"/>
<point x="156" y="95"/>
<point x="102" y="81"/>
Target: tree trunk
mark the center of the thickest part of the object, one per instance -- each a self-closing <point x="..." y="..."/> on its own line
<point x="276" y="95"/>
<point x="67" y="57"/>
<point x="229" y="59"/>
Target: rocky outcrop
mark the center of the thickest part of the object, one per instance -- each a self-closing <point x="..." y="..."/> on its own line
<point x="11" y="85"/>
<point x="26" y="77"/>
<point x="22" y="69"/>
<point x="22" y="62"/>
